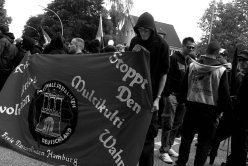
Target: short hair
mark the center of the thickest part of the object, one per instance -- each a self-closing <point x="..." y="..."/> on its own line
<point x="80" y="42"/>
<point x="213" y="48"/>
<point x="188" y="39"/>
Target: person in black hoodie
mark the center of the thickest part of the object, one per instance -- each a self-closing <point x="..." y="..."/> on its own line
<point x="147" y="39"/>
<point x="239" y="141"/>
<point x="8" y="53"/>
<point x="56" y="46"/>
<point x="205" y="90"/>
<point x="173" y="112"/>
<point x="28" y="44"/>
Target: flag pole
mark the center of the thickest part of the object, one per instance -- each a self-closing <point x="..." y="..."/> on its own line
<point x="57" y="16"/>
<point x="211" y="24"/>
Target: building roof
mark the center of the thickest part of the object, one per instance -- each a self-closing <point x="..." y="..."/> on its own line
<point x="166" y="29"/>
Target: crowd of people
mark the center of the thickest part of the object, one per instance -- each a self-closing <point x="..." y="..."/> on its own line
<point x="196" y="96"/>
<point x="13" y="50"/>
<point x="194" y="90"/>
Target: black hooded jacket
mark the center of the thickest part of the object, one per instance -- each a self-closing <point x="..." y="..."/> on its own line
<point x="8" y="51"/>
<point x="176" y="73"/>
<point x="56" y="46"/>
<point x="158" y="48"/>
<point x="29" y="45"/>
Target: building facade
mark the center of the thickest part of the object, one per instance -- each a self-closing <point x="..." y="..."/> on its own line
<point x="166" y="31"/>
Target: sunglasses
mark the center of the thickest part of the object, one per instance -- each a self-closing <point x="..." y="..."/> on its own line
<point x="190" y="47"/>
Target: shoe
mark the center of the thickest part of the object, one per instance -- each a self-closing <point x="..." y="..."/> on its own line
<point x="165" y="158"/>
<point x="172" y="153"/>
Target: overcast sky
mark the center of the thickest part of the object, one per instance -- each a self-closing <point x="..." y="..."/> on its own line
<point x="182" y="14"/>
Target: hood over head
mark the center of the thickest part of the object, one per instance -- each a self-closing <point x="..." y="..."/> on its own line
<point x="57" y="42"/>
<point x="27" y="43"/>
<point x="9" y="36"/>
<point x="146" y="20"/>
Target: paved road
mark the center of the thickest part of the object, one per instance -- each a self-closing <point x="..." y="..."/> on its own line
<point x="11" y="158"/>
<point x="219" y="159"/>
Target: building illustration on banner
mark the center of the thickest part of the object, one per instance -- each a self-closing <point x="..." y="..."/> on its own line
<point x="50" y="117"/>
<point x="53" y="113"/>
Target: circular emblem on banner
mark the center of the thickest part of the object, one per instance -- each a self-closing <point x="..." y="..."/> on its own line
<point x="52" y="114"/>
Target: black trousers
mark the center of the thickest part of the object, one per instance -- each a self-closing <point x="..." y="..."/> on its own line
<point x="201" y="122"/>
<point x="147" y="154"/>
<point x="224" y="130"/>
<point x="239" y="147"/>
<point x="4" y="74"/>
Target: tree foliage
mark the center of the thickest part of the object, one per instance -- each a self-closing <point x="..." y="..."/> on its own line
<point x="119" y="11"/>
<point x="230" y="24"/>
<point x="32" y="26"/>
<point x="80" y="18"/>
<point x="4" y="19"/>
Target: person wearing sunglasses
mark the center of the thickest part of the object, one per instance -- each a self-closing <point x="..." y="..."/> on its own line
<point x="189" y="49"/>
<point x="148" y="40"/>
<point x="173" y="112"/>
<point x="205" y="91"/>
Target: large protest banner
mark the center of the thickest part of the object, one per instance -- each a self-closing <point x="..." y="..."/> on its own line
<point x="87" y="110"/>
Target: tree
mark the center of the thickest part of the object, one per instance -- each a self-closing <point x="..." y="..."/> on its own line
<point x="119" y="12"/>
<point x="230" y="24"/>
<point x="32" y="28"/>
<point x="3" y="14"/>
<point x="80" y="18"/>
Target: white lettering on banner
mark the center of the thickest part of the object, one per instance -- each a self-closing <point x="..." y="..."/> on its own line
<point x="129" y="71"/>
<point x="63" y="89"/>
<point x="17" y="109"/>
<point x="19" y="144"/>
<point x="58" y="139"/>
<point x="48" y="153"/>
<point x="79" y="84"/>
<point x="28" y="83"/>
<point x="109" y="142"/>
<point x="51" y="154"/>
<point x="7" y="137"/>
<point x="125" y="96"/>
<point x="21" y="67"/>
<point x="31" y="149"/>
